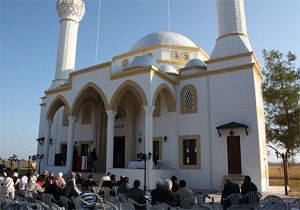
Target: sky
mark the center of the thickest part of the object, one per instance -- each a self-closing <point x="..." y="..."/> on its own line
<point x="29" y="32"/>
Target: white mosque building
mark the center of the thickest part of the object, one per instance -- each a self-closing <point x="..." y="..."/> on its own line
<point x="197" y="116"/>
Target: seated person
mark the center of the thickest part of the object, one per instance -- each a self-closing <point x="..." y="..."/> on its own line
<point x="90" y="182"/>
<point x="88" y="197"/>
<point x="53" y="189"/>
<point x="137" y="195"/>
<point x="184" y="192"/>
<point x="168" y="196"/>
<point x="157" y="191"/>
<point x="229" y="188"/>
<point x="71" y="187"/>
<point x="124" y="187"/>
<point x="247" y="186"/>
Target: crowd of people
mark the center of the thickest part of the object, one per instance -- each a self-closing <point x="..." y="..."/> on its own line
<point x="169" y="191"/>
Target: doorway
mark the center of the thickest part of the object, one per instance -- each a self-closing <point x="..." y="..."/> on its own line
<point x="234" y="155"/>
<point x="119" y="152"/>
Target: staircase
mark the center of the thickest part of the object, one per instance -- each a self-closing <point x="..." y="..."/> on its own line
<point x="235" y="178"/>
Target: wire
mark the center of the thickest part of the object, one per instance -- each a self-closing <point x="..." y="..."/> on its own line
<point x="98" y="29"/>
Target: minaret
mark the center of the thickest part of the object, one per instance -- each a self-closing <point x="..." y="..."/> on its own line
<point x="232" y="31"/>
<point x="70" y="13"/>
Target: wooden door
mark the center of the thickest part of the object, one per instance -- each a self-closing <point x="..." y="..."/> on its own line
<point x="119" y="152"/>
<point x="234" y="155"/>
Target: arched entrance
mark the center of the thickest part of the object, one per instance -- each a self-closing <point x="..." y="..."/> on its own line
<point x="128" y="102"/>
<point x="90" y="109"/>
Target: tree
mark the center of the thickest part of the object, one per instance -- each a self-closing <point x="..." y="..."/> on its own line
<point x="281" y="89"/>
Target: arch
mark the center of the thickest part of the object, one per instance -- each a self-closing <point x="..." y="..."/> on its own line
<point x="188" y="99"/>
<point x="166" y="91"/>
<point x="80" y="98"/>
<point x="122" y="89"/>
<point x="58" y="102"/>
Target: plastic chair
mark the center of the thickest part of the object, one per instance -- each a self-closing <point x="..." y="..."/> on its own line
<point x="273" y="198"/>
<point x="252" y="198"/>
<point x="275" y="206"/>
<point x="201" y="197"/>
<point x="241" y="207"/>
<point x="66" y="201"/>
<point x="54" y="206"/>
<point x="187" y="203"/>
<point x="234" y="198"/>
<point x="296" y="203"/>
<point x="41" y="206"/>
<point x="78" y="203"/>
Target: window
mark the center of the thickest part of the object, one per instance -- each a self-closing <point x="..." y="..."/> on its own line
<point x="86" y="117"/>
<point x="175" y="55"/>
<point x="185" y="56"/>
<point x="65" y="120"/>
<point x="125" y="63"/>
<point x="157" y="150"/>
<point x="156" y="111"/>
<point x="188" y="100"/>
<point x="189" y="152"/>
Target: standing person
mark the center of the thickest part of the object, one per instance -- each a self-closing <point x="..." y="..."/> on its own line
<point x="137" y="195"/>
<point x="93" y="159"/>
<point x="75" y="157"/>
<point x="229" y="188"/>
<point x="168" y="196"/>
<point x="157" y="191"/>
<point x="71" y="188"/>
<point x="184" y="192"/>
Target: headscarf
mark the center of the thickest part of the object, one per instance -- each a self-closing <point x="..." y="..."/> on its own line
<point x="23" y="182"/>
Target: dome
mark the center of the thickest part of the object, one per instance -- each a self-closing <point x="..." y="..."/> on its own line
<point x="163" y="37"/>
<point x="195" y="63"/>
<point x="168" y="69"/>
<point x="142" y="60"/>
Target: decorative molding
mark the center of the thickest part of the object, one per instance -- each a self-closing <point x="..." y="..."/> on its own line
<point x="158" y="46"/>
<point x="218" y="71"/>
<point x="71" y="10"/>
<point x="230" y="57"/>
<point x="232" y="34"/>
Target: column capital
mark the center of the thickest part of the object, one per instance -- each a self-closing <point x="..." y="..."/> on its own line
<point x="70" y="9"/>
<point x="72" y="119"/>
<point x="111" y="114"/>
<point x="149" y="110"/>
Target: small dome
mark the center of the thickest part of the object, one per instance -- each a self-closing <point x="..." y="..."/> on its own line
<point x="168" y="69"/>
<point x="163" y="37"/>
<point x="141" y="60"/>
<point x="195" y="63"/>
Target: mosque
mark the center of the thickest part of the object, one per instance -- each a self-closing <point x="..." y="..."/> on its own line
<point x="197" y="116"/>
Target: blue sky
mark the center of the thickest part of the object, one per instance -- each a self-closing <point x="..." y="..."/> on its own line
<point x="29" y="37"/>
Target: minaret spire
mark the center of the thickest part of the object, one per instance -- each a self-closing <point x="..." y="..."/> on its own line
<point x="232" y="30"/>
<point x="70" y="13"/>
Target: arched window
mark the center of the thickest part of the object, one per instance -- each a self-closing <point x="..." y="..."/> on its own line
<point x="65" y="120"/>
<point x="86" y="114"/>
<point x="188" y="100"/>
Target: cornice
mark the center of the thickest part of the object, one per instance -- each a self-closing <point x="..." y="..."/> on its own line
<point x="232" y="34"/>
<point x="230" y="57"/>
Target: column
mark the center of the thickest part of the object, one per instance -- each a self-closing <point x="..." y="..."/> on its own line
<point x="148" y="143"/>
<point x="72" y="121"/>
<point x="46" y="140"/>
<point x="110" y="138"/>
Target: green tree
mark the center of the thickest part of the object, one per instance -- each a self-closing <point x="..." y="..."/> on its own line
<point x="281" y="89"/>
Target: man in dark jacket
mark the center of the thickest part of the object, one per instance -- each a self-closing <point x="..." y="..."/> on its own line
<point x="168" y="196"/>
<point x="229" y="188"/>
<point x="248" y="186"/>
<point x="157" y="191"/>
<point x="137" y="195"/>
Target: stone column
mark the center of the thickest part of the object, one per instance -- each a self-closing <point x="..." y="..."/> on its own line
<point x="72" y="121"/>
<point x="110" y="139"/>
<point x="148" y="143"/>
<point x="46" y="140"/>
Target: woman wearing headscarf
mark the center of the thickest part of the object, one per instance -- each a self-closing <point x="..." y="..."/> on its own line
<point x="22" y="183"/>
<point x="32" y="186"/>
<point x="8" y="188"/>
